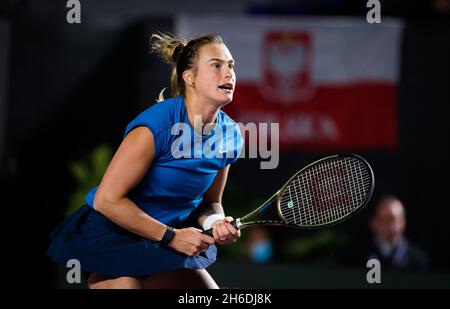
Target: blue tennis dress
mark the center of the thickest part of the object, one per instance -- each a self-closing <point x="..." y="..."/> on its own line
<point x="184" y="168"/>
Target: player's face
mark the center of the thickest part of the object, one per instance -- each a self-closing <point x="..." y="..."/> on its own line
<point x="214" y="76"/>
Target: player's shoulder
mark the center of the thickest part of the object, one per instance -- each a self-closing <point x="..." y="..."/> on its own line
<point x="163" y="114"/>
<point x="169" y="107"/>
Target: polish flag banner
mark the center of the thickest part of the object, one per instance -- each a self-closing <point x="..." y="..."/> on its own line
<point x="330" y="83"/>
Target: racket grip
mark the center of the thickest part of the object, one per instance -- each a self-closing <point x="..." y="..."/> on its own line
<point x="234" y="223"/>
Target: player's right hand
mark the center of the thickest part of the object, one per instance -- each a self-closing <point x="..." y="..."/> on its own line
<point x="190" y="241"/>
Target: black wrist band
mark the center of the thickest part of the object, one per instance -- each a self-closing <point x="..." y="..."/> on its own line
<point x="168" y="235"/>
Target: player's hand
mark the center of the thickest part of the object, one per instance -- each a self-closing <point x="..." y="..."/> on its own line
<point x="190" y="241"/>
<point x="225" y="233"/>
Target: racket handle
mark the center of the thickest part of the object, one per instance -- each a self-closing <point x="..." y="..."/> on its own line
<point x="235" y="223"/>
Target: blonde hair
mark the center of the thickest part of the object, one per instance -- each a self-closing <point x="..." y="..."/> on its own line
<point x="181" y="54"/>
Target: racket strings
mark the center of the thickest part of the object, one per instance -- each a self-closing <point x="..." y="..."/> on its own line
<point x="326" y="192"/>
<point x="326" y="212"/>
<point x="342" y="201"/>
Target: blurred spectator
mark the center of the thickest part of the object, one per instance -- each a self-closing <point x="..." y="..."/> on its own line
<point x="259" y="245"/>
<point x="388" y="242"/>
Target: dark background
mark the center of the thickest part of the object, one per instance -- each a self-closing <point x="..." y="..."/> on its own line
<point x="66" y="88"/>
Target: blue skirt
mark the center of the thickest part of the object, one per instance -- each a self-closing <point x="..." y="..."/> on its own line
<point x="103" y="247"/>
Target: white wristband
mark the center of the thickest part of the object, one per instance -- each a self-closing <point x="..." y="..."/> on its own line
<point x="210" y="220"/>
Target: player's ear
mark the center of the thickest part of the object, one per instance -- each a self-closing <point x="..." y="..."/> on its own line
<point x="188" y="78"/>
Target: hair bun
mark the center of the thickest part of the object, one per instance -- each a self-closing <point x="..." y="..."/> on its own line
<point x="167" y="46"/>
<point x="177" y="52"/>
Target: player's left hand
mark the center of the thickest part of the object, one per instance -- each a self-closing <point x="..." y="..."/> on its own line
<point x="224" y="233"/>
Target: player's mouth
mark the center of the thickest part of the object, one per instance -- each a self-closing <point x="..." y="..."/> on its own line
<point x="227" y="87"/>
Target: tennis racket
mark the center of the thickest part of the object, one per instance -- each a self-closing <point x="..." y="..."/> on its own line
<point x="324" y="193"/>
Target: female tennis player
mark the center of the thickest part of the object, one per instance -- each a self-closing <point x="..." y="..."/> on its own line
<point x="134" y="230"/>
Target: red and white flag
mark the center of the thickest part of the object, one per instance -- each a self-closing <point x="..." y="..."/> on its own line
<point x="330" y="83"/>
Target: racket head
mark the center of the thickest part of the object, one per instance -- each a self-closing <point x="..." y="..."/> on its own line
<point x="326" y="192"/>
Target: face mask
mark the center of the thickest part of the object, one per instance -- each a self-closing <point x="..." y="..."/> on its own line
<point x="261" y="251"/>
